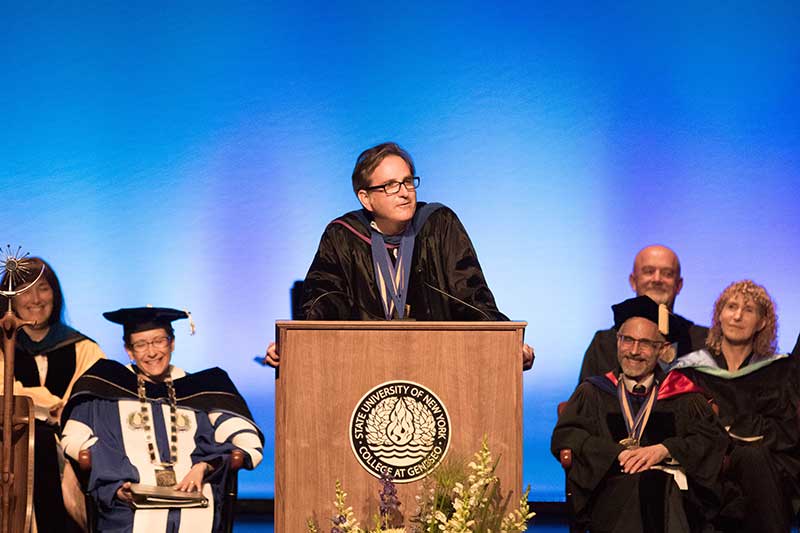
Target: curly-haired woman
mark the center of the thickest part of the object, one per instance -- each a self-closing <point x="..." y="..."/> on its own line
<point x="757" y="394"/>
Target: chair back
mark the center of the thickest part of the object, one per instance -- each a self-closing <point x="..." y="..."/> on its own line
<point x="235" y="463"/>
<point x="565" y="458"/>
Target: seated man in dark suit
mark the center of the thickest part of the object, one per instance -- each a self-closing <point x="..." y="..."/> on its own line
<point x="657" y="274"/>
<point x="628" y="429"/>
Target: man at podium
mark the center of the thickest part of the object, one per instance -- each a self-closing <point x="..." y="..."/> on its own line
<point x="395" y="258"/>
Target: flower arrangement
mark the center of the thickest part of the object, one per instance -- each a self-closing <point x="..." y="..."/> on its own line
<point x="457" y="497"/>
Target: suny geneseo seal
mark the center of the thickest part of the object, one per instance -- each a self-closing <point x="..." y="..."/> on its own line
<point x="400" y="429"/>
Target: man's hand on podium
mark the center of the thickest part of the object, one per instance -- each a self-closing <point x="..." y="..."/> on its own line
<point x="527" y="356"/>
<point x="272" y="358"/>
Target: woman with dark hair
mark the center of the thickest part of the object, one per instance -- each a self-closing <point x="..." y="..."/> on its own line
<point x="49" y="358"/>
<point x="755" y="389"/>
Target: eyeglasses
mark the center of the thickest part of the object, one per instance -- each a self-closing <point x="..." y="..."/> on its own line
<point x="158" y="343"/>
<point x="646" y="345"/>
<point x="393" y="187"/>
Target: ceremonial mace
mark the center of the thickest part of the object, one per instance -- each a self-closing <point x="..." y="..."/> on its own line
<point x="14" y="266"/>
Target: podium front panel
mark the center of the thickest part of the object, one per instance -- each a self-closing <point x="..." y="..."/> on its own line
<point x="474" y="368"/>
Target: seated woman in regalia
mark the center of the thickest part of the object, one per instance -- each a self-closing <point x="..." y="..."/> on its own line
<point x="49" y="358"/>
<point x="756" y="390"/>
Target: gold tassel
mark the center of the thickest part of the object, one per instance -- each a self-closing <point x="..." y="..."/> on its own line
<point x="663" y="319"/>
<point x="192" y="327"/>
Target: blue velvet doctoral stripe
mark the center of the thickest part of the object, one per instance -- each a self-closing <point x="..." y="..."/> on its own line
<point x="385" y="273"/>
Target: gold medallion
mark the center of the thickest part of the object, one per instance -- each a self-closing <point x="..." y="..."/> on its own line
<point x="183" y="423"/>
<point x="630" y="443"/>
<point x="165" y="477"/>
<point x="136" y="421"/>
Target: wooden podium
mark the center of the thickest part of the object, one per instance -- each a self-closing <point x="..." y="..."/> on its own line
<point x="327" y="368"/>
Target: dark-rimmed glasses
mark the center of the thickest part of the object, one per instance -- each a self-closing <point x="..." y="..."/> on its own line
<point x="393" y="187"/>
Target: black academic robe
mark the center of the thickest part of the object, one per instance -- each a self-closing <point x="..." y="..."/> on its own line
<point x="601" y="355"/>
<point x="604" y="498"/>
<point x="68" y="352"/>
<point x="762" y="491"/>
<point x="340" y="284"/>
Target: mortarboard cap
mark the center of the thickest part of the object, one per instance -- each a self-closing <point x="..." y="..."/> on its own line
<point x="673" y="327"/>
<point x="136" y="319"/>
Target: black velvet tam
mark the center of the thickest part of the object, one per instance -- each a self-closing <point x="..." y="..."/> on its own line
<point x="646" y="307"/>
<point x="135" y="319"/>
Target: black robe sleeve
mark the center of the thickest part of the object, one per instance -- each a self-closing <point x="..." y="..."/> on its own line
<point x="445" y="258"/>
<point x="338" y="277"/>
<point x="700" y="441"/>
<point x="581" y="428"/>
<point x="778" y="425"/>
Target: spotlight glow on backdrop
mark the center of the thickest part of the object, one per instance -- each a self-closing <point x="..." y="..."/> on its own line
<point x="191" y="155"/>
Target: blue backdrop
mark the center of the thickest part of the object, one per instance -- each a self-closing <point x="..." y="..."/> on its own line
<point x="190" y="155"/>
